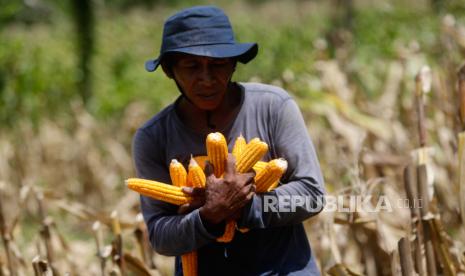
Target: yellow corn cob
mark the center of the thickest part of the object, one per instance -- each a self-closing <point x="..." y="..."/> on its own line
<point x="217" y="151"/>
<point x="150" y="192"/>
<point x="158" y="190"/>
<point x="178" y="173"/>
<point x="260" y="165"/>
<point x="201" y="160"/>
<point x="252" y="153"/>
<point x="189" y="264"/>
<point x="273" y="185"/>
<point x="223" y="149"/>
<point x="228" y="232"/>
<point x="268" y="178"/>
<point x="243" y="230"/>
<point x="239" y="146"/>
<point x="196" y="176"/>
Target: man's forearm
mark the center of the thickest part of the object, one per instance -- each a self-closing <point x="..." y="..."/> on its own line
<point x="174" y="235"/>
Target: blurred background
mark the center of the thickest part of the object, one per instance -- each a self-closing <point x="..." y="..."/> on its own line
<point x="73" y="90"/>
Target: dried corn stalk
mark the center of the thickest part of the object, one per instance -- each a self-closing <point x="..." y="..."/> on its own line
<point x="461" y="138"/>
<point x="461" y="155"/>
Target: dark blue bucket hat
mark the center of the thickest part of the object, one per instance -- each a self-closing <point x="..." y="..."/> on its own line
<point x="202" y="31"/>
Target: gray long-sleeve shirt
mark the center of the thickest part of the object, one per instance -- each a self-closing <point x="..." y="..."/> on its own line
<point x="276" y="243"/>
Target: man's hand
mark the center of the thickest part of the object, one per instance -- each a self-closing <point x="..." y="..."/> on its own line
<point x="198" y="195"/>
<point x="224" y="197"/>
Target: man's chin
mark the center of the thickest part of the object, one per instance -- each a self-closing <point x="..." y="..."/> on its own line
<point x="208" y="105"/>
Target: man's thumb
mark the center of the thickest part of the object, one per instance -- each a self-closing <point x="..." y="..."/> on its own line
<point x="208" y="168"/>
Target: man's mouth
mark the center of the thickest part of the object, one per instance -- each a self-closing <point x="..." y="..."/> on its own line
<point x="208" y="96"/>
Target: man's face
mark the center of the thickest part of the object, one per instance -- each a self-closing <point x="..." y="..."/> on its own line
<point x="204" y="80"/>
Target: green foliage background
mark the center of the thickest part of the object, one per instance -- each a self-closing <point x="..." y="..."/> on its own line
<point x="38" y="49"/>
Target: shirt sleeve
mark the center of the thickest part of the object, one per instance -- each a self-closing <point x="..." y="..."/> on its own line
<point x="169" y="233"/>
<point x="301" y="190"/>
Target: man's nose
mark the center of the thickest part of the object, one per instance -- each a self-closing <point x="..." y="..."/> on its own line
<point x="206" y="74"/>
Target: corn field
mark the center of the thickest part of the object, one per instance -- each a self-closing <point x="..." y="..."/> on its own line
<point x="64" y="208"/>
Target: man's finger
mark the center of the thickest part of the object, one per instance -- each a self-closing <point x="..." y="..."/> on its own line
<point x="188" y="207"/>
<point x="253" y="188"/>
<point x="252" y="170"/>
<point x="250" y="195"/>
<point x="198" y="192"/>
<point x="230" y="165"/>
<point x="249" y="188"/>
<point x="249" y="177"/>
<point x="185" y="208"/>
<point x="208" y="169"/>
<point x="188" y="190"/>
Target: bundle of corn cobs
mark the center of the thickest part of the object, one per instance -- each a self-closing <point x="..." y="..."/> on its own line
<point x="247" y="156"/>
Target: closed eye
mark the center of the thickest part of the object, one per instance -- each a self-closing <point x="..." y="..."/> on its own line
<point x="188" y="64"/>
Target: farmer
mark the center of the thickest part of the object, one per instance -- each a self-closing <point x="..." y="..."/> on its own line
<point x="199" y="53"/>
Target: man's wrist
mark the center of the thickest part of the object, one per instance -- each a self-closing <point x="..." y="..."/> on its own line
<point x="244" y="218"/>
<point x="214" y="227"/>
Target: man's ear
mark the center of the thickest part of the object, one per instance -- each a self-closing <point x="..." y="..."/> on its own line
<point x="168" y="70"/>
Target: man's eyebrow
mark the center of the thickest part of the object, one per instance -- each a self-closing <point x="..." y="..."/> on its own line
<point x="187" y="57"/>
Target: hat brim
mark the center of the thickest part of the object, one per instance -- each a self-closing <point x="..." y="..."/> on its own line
<point x="243" y="52"/>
